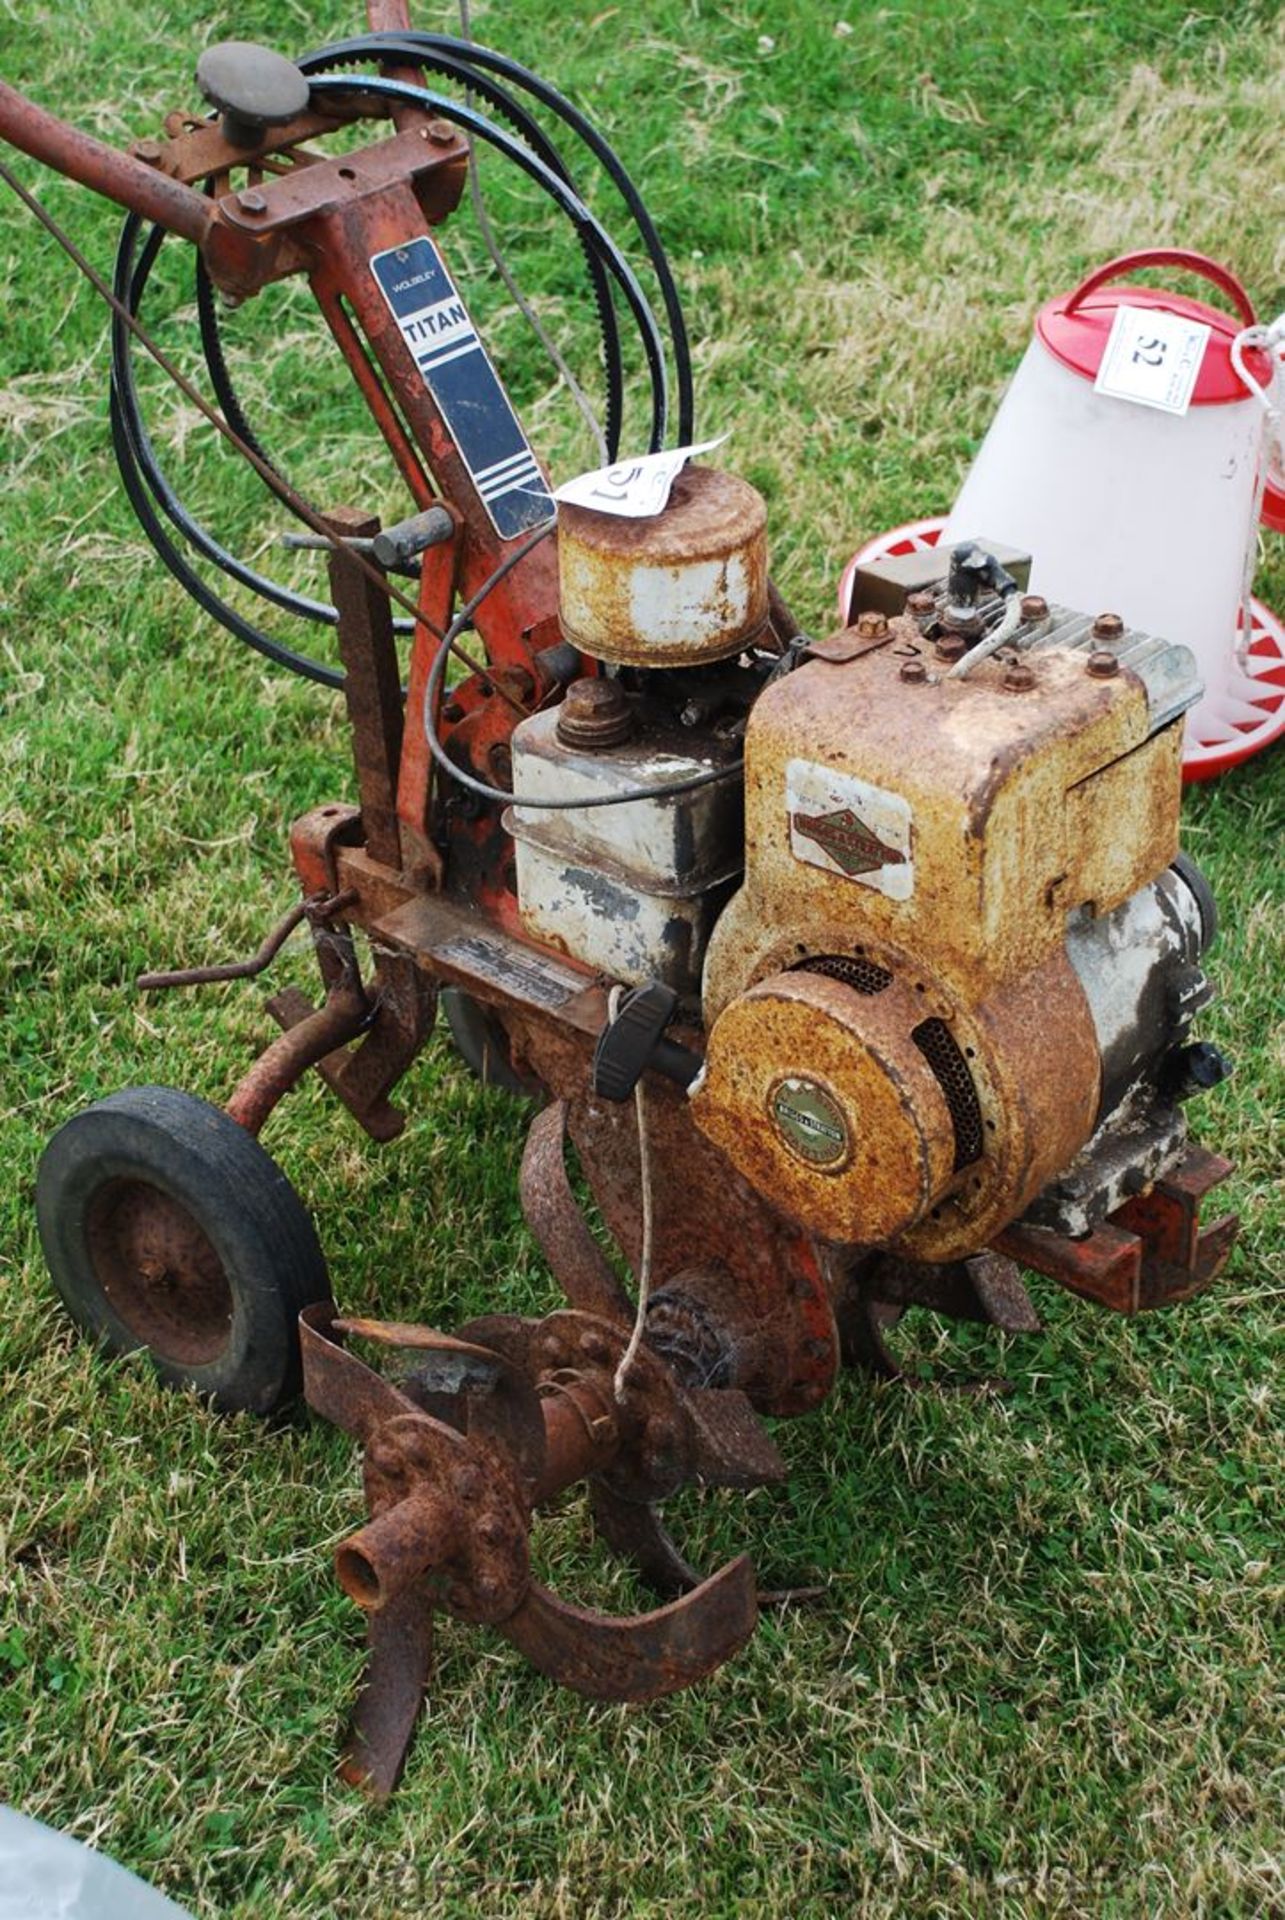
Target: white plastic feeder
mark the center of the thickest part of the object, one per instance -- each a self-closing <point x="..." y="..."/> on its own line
<point x="1145" y="506"/>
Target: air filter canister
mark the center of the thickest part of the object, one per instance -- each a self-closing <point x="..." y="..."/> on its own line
<point x="683" y="587"/>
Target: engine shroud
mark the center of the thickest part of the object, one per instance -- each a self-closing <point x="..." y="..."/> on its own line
<point x="901" y="1049"/>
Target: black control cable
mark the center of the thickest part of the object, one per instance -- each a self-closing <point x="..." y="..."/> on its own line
<point x="140" y="467"/>
<point x="501" y="796"/>
<point x="526" y="125"/>
<point x="575" y="209"/>
<point x="427" y="48"/>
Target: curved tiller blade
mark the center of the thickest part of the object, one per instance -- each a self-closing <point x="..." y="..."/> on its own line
<point x="634" y="1530"/>
<point x="640" y="1656"/>
<point x="400" y="1637"/>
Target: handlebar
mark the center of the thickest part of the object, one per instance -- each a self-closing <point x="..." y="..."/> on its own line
<point x="130" y="182"/>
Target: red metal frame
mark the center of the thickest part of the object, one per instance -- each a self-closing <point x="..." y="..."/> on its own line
<point x="327" y="217"/>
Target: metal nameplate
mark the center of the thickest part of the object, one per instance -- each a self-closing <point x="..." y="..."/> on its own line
<point x="527" y="976"/>
<point x="457" y="371"/>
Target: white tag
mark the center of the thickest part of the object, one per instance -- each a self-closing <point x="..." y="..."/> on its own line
<point x="1153" y="358"/>
<point x="635" y="489"/>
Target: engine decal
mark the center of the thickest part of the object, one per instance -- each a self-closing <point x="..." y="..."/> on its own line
<point x="811" y="1122"/>
<point x="847" y="826"/>
<point x="436" y="327"/>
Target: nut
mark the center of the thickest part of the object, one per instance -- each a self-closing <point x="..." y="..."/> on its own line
<point x="595" y="713"/>
<point x="150" y="152"/>
<point x="920" y="603"/>
<point x="1019" y="678"/>
<point x="1103" y="664"/>
<point x="872" y="625"/>
<point x="1108" y="626"/>
<point x="951" y="646"/>
<point x="1034" y="606"/>
<point x="441" y="133"/>
<point x="914" y="672"/>
<point x="252" y="201"/>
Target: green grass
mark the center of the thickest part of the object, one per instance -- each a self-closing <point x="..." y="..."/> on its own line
<point x="1040" y="1679"/>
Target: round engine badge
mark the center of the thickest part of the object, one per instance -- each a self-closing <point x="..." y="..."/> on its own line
<point x="810" y="1121"/>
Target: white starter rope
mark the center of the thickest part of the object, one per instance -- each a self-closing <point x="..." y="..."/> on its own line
<point x="630" y="1353"/>
<point x="1271" y="398"/>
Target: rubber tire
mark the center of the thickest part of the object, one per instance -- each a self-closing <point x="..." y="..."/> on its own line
<point x="256" y="1224"/>
<point x="481" y="1042"/>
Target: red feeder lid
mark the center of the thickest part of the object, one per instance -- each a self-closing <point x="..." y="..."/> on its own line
<point x="1075" y="326"/>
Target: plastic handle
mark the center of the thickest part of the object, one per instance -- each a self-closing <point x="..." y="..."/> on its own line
<point x="1223" y="278"/>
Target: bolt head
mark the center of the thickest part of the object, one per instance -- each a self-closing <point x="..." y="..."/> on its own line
<point x="1108" y="626"/>
<point x="441" y="133"/>
<point x="1034" y="606"/>
<point x="148" y="151"/>
<point x="1019" y="678"/>
<point x="952" y="646"/>
<point x="252" y="201"/>
<point x="920" y="603"/>
<point x="1103" y="664"/>
<point x="872" y="625"/>
<point x="913" y="672"/>
<point x="595" y="713"/>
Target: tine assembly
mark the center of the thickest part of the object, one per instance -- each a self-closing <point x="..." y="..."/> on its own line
<point x="480" y="1433"/>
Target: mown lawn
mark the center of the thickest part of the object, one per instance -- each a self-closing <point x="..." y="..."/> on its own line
<point x="1041" y="1676"/>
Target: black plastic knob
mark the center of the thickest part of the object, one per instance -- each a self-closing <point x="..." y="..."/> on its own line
<point x="252" y="87"/>
<point x="635" y="1040"/>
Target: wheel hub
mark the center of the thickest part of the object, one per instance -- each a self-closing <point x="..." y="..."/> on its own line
<point x="160" y="1271"/>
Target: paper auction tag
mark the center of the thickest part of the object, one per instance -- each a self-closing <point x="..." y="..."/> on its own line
<point x="1153" y="358"/>
<point x="634" y="489"/>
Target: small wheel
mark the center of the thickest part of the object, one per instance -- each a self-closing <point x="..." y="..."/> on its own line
<point x="165" y="1225"/>
<point x="483" y="1045"/>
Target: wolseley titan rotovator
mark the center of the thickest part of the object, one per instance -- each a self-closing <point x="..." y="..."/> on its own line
<point x="858" y="971"/>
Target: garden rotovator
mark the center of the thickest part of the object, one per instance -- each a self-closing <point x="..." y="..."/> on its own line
<point x="859" y="972"/>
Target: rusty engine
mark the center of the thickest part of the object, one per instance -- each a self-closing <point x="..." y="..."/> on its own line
<point x="859" y="971"/>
